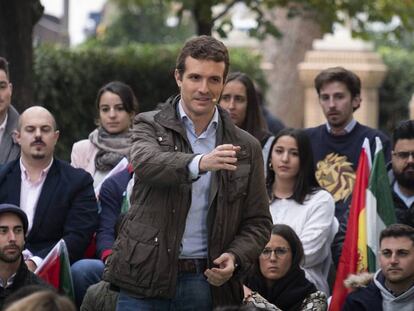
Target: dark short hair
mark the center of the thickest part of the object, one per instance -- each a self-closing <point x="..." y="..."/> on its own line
<point x="339" y="74"/>
<point x="397" y="231"/>
<point x="124" y="91"/>
<point x="295" y="243"/>
<point x="254" y="123"/>
<point x="4" y="65"/>
<point x="306" y="181"/>
<point x="404" y="130"/>
<point x="203" y="48"/>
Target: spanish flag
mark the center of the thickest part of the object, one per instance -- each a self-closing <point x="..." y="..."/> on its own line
<point x="354" y="258"/>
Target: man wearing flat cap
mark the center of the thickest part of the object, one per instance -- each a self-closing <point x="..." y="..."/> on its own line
<point x="14" y="273"/>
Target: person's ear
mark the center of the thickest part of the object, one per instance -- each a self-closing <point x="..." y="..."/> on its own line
<point x="356" y="102"/>
<point x="178" y="78"/>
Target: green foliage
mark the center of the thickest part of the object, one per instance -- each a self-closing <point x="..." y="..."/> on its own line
<point x="145" y="23"/>
<point x="67" y="81"/>
<point x="397" y="88"/>
<point x="359" y="15"/>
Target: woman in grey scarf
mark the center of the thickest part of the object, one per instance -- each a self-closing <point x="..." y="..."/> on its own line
<point x="110" y="142"/>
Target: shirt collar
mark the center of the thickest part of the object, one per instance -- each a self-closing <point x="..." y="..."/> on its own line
<point x="9" y="281"/>
<point x="189" y="123"/>
<point x="348" y="128"/>
<point x="42" y="175"/>
<point x="3" y="124"/>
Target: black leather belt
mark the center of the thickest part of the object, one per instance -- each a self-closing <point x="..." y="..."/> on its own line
<point x="192" y="265"/>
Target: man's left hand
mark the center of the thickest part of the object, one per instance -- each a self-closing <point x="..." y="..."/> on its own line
<point x="220" y="275"/>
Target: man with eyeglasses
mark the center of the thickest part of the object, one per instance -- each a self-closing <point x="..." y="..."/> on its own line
<point x="392" y="287"/>
<point x="403" y="172"/>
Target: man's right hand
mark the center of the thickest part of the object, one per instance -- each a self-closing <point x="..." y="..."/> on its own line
<point x="223" y="157"/>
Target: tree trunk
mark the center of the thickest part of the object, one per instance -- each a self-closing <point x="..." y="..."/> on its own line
<point x="203" y="17"/>
<point x="17" y="19"/>
<point x="285" y="95"/>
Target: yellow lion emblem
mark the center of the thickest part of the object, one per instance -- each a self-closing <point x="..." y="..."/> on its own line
<point x="335" y="174"/>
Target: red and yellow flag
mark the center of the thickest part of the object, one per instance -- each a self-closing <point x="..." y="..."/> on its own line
<point x="354" y="258"/>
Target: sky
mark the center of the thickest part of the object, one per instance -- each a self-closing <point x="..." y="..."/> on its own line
<point x="78" y="15"/>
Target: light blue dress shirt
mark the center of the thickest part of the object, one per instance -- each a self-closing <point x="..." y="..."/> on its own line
<point x="195" y="238"/>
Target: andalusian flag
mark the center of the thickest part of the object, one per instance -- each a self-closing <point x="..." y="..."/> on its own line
<point x="354" y="251"/>
<point x="380" y="206"/>
<point x="55" y="270"/>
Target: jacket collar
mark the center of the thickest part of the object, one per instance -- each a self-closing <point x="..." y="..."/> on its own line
<point x="8" y="142"/>
<point x="13" y="118"/>
<point x="169" y="118"/>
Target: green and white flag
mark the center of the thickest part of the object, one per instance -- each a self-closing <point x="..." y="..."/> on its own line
<point x="380" y="206"/>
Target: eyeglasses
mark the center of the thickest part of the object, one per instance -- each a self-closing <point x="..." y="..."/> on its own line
<point x="279" y="252"/>
<point x="403" y="155"/>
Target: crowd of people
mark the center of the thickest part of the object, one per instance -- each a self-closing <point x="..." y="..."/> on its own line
<point x="212" y="209"/>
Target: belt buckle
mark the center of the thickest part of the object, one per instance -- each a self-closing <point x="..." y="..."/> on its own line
<point x="191" y="265"/>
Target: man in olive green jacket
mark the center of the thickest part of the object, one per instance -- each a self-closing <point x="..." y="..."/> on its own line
<point x="199" y="216"/>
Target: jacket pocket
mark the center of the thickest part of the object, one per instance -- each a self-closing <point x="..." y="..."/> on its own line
<point x="137" y="250"/>
<point x="165" y="142"/>
<point x="238" y="182"/>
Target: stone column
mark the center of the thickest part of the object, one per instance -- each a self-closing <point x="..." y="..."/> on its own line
<point x="355" y="55"/>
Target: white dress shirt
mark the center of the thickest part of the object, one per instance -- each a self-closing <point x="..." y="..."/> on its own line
<point x="3" y="128"/>
<point x="29" y="196"/>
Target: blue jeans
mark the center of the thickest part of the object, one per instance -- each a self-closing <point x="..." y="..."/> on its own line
<point x="85" y="272"/>
<point x="192" y="293"/>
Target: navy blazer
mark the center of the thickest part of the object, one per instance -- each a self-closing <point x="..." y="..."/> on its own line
<point x="66" y="207"/>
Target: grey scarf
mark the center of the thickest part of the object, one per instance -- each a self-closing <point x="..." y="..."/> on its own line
<point x="112" y="148"/>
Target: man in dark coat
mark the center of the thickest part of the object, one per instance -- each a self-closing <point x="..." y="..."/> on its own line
<point x="199" y="215"/>
<point x="58" y="199"/>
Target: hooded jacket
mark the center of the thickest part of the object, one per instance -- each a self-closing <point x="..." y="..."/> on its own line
<point x="377" y="297"/>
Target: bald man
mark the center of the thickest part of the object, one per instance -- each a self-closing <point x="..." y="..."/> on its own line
<point x="58" y="199"/>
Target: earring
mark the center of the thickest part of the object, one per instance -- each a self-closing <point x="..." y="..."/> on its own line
<point x="270" y="166"/>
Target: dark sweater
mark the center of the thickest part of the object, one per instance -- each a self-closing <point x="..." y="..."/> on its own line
<point x="336" y="160"/>
<point x="404" y="213"/>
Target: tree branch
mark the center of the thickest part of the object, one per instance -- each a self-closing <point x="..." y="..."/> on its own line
<point x="226" y="10"/>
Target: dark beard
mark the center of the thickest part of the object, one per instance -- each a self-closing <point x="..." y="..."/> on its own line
<point x="10" y="258"/>
<point x="405" y="179"/>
